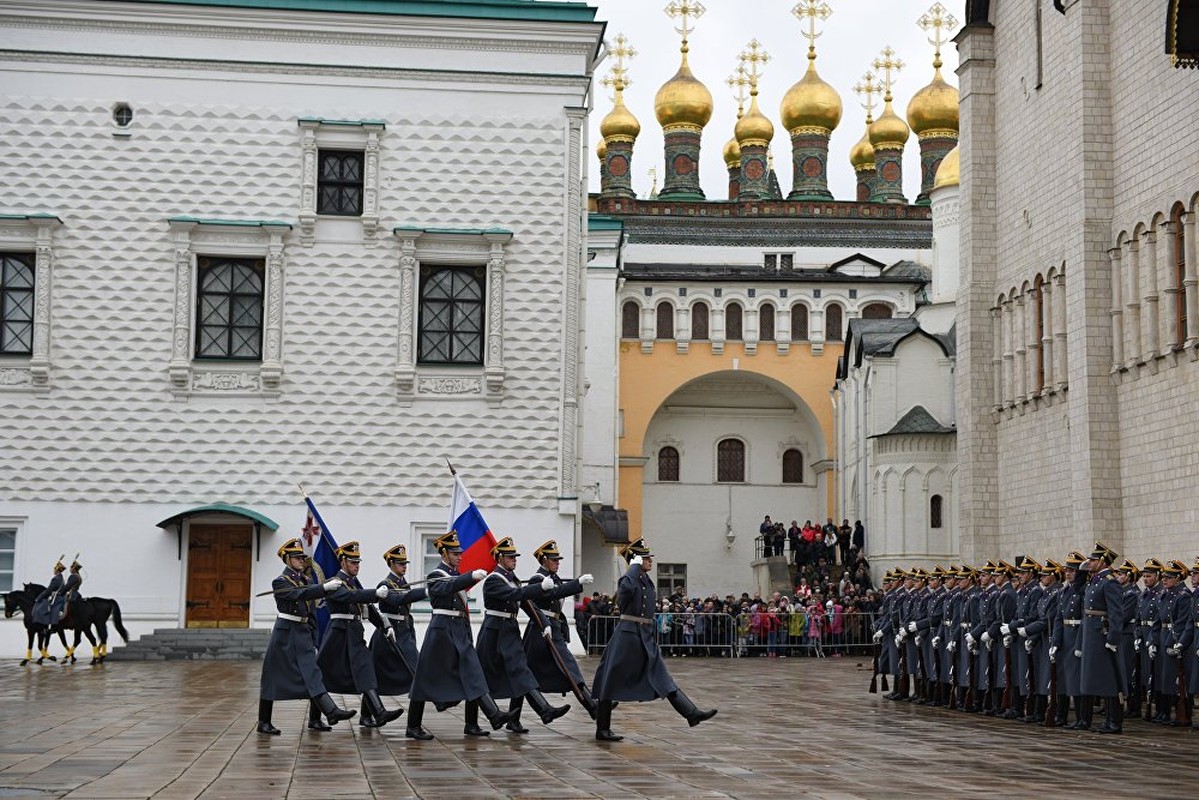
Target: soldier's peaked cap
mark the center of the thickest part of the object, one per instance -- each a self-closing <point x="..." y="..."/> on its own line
<point x="1152" y="565"/>
<point x="504" y="547"/>
<point x="399" y="553"/>
<point x="548" y="550"/>
<point x="1051" y="568"/>
<point x="1075" y="559"/>
<point x="1103" y="552"/>
<point x="1030" y="563"/>
<point x="634" y="548"/>
<point x="448" y="542"/>
<point x="1174" y="569"/>
<point x="349" y="551"/>
<point x="291" y="547"/>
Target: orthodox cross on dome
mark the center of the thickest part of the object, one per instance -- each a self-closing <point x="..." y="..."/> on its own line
<point x="618" y="74"/>
<point x="887" y="65"/>
<point x="938" y="20"/>
<point x="653" y="176"/>
<point x="681" y="10"/>
<point x="753" y="57"/>
<point x="811" y="10"/>
<point x="867" y="88"/>
<point x="739" y="82"/>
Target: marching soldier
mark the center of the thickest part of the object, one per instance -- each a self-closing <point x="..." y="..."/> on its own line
<point x="289" y="670"/>
<point x="1176" y="630"/>
<point x="1036" y="631"/>
<point x="632" y="667"/>
<point x="1064" y="646"/>
<point x="344" y="659"/>
<point x="1148" y="633"/>
<point x="1128" y="574"/>
<point x="559" y="674"/>
<point x="393" y="644"/>
<point x="1102" y="673"/>
<point x="501" y="651"/>
<point x="448" y="671"/>
<point x="1028" y="595"/>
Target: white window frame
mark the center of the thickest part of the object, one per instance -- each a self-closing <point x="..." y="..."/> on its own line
<point x="425" y="533"/>
<point x="450" y="248"/>
<point x="16" y="525"/>
<point x="263" y="239"/>
<point x="318" y="134"/>
<point x="32" y="233"/>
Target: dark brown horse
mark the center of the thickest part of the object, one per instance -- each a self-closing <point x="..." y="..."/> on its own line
<point x="82" y="615"/>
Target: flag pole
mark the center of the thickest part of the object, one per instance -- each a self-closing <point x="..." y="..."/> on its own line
<point x="453" y="471"/>
<point x="303" y="493"/>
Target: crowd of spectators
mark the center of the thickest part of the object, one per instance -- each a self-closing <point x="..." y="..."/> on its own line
<point x="836" y="544"/>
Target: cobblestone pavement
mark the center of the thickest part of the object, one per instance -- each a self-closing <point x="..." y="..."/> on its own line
<point x="786" y="728"/>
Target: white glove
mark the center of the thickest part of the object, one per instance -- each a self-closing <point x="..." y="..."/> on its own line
<point x="1172" y="652"/>
<point x="1078" y="654"/>
<point x="970" y="640"/>
<point x="936" y="642"/>
<point x="1152" y="651"/>
<point x="479" y="574"/>
<point x="1005" y="629"/>
<point x="586" y="579"/>
<point x="1022" y="631"/>
<point x="391" y="634"/>
<point x="381" y="592"/>
<point x="1007" y="641"/>
<point x="952" y="646"/>
<point x="1136" y="646"/>
<point x="911" y="627"/>
<point x="1028" y="645"/>
<point x="332" y="584"/>
<point x="878" y="636"/>
<point x="548" y="632"/>
<point x="636" y="560"/>
<point x="919" y="639"/>
<point x="547" y="583"/>
<point x="1052" y="652"/>
<point x="898" y="640"/>
<point x="1111" y="647"/>
<point x="987" y="638"/>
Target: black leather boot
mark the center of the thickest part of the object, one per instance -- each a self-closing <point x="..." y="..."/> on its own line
<point x="497" y="718"/>
<point x="543" y="709"/>
<point x="683" y="705"/>
<point x="471" y="728"/>
<point x="330" y="709"/>
<point x="380" y="716"/>
<point x="603" y="722"/>
<point x="264" y="718"/>
<point x="514" y="707"/>
<point x="1114" y="721"/>
<point x="588" y="700"/>
<point x="416" y="715"/>
<point x="365" y="718"/>
<point x="315" y="723"/>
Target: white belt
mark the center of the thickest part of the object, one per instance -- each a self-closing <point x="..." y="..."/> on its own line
<point x="396" y="617"/>
<point x="292" y="617"/>
<point x="342" y="616"/>
<point x="1073" y="623"/>
<point x="500" y="614"/>
<point x="445" y="612"/>
<point x="553" y="614"/>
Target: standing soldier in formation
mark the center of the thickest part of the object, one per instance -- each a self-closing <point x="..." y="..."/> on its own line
<point x="1028" y="595"/>
<point x="979" y="639"/>
<point x="449" y="671"/>
<point x="1064" y="647"/>
<point x="501" y="651"/>
<point x="289" y="670"/>
<point x="927" y="629"/>
<point x="1004" y="610"/>
<point x="1102" y="622"/>
<point x="1147" y="636"/>
<point x="554" y="674"/>
<point x="964" y="640"/>
<point x="1191" y="650"/>
<point x="1177" y="630"/>
<point x="1128" y="575"/>
<point x="1036" y="633"/>
<point x="944" y="642"/>
<point x="884" y="633"/>
<point x="915" y="610"/>
<point x="901" y="611"/>
<point x="344" y="659"/>
<point x="393" y="644"/>
<point x="632" y="667"/>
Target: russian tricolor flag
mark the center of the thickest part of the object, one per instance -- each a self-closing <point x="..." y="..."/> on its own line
<point x="476" y="538"/>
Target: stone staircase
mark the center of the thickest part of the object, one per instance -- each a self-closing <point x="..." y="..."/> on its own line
<point x="172" y="644"/>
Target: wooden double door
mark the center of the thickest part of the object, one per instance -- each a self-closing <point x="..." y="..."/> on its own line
<point x="218" y="576"/>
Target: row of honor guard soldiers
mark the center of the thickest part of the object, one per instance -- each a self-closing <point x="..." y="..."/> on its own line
<point x="449" y="669"/>
<point x="1026" y="642"/>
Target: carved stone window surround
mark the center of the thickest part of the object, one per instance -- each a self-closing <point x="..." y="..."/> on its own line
<point x="32" y="233"/>
<point x="192" y="237"/>
<point x="450" y="247"/>
<point x="337" y="134"/>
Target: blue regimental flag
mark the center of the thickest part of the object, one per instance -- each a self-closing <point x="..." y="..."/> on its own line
<point x="321" y="547"/>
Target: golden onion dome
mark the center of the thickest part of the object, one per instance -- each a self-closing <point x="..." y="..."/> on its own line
<point x="732" y="154"/>
<point x="949" y="170"/>
<point x="935" y="107"/>
<point x="754" y="126"/>
<point x="683" y="100"/>
<point x="601" y="149"/>
<point x="620" y="121"/>
<point x="810" y="103"/>
<point x="888" y="129"/>
<point x="861" y="155"/>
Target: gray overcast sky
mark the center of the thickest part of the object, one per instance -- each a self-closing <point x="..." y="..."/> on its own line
<point x="852" y="38"/>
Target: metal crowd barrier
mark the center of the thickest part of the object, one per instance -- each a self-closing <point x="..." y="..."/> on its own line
<point x="748" y="634"/>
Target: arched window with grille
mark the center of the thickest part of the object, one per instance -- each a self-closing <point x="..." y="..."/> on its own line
<point x="732" y="322"/>
<point x="934" y="511"/>
<point x="876" y="311"/>
<point x="699" y="322"/>
<point x="730" y="461"/>
<point x="665" y="320"/>
<point x="832" y="323"/>
<point x="668" y="464"/>
<point x="766" y="323"/>
<point x="1038" y="321"/>
<point x="799" y="323"/>
<point x="1180" y="268"/>
<point x="792" y="466"/>
<point x="630" y="320"/>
